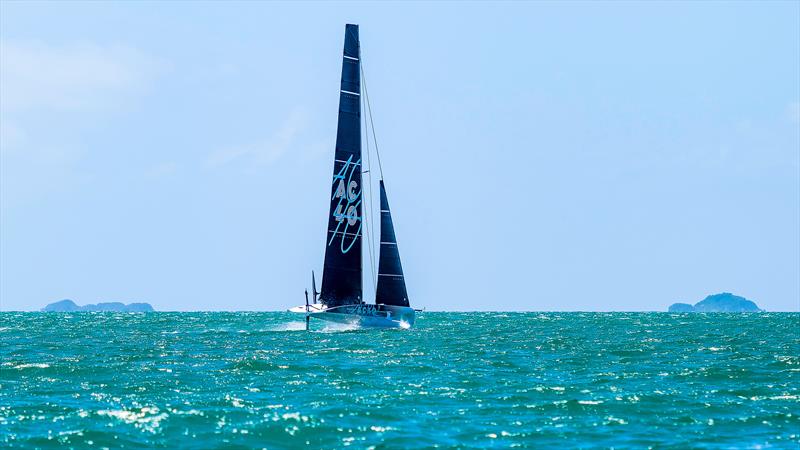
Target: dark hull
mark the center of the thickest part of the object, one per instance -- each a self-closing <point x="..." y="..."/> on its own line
<point x="381" y="316"/>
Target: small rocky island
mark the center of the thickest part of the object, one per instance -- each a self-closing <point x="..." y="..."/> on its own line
<point x="70" y="306"/>
<point x="724" y="302"/>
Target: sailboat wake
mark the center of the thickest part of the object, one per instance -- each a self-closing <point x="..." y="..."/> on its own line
<point x="336" y="327"/>
<point x="289" y="326"/>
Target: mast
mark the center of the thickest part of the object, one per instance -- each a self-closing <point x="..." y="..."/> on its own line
<point x="341" y="276"/>
<point x="391" y="289"/>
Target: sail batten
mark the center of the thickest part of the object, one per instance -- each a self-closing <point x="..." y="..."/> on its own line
<point x="391" y="289"/>
<point x="341" y="277"/>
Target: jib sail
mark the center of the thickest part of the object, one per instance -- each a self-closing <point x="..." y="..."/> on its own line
<point x="391" y="288"/>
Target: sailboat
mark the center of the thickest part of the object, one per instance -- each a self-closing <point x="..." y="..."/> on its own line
<point x="341" y="298"/>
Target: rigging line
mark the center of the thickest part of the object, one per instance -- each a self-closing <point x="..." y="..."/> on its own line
<point x="370" y="203"/>
<point x="369" y="107"/>
<point x="368" y="213"/>
<point x="368" y="111"/>
<point x="368" y="237"/>
<point x="368" y="230"/>
<point x="368" y="216"/>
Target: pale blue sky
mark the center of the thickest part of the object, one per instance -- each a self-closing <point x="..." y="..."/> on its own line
<point x="542" y="156"/>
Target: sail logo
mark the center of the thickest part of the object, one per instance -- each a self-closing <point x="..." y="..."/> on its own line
<point x="345" y="213"/>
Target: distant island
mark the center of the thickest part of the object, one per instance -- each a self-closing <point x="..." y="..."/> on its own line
<point x="70" y="306"/>
<point x="724" y="302"/>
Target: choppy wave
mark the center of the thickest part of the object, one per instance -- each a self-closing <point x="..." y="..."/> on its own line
<point x="456" y="379"/>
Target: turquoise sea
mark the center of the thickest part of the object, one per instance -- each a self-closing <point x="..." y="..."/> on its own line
<point x="253" y="380"/>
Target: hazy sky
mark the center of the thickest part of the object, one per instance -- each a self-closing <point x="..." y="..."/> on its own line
<point x="542" y="156"/>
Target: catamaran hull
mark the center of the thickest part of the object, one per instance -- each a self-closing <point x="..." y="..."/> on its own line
<point x="380" y="316"/>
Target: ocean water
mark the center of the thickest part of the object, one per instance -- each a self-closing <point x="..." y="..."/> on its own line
<point x="244" y="380"/>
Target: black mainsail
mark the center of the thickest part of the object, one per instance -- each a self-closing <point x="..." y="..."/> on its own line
<point x="341" y="277"/>
<point x="391" y="288"/>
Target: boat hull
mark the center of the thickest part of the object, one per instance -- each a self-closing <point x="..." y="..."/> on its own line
<point x="380" y="316"/>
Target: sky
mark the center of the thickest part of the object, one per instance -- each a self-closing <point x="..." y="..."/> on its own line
<point x="571" y="156"/>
